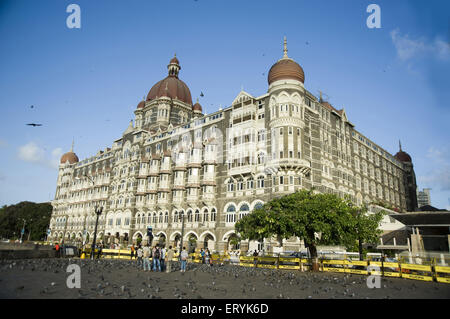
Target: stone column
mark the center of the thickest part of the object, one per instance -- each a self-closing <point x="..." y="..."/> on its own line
<point x="244" y="247"/>
<point x="222" y="246"/>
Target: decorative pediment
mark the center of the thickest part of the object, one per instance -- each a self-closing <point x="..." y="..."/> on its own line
<point x="242" y="97"/>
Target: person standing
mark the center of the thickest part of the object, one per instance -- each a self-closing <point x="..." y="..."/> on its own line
<point x="184" y="256"/>
<point x="156" y="259"/>
<point x="132" y="251"/>
<point x="163" y="258"/>
<point x="169" y="258"/>
<point x="146" y="254"/>
<point x="139" y="254"/>
<point x="202" y="254"/>
<point x="207" y="256"/>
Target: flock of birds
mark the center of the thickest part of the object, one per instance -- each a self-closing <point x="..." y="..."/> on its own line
<point x="108" y="278"/>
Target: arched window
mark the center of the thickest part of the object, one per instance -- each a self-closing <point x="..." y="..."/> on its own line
<point x="175" y="217"/>
<point x="230" y="186"/>
<point x="149" y="218"/>
<point x="154" y="218"/>
<point x="138" y="219"/>
<point x="197" y="216"/>
<point x="231" y="214"/>
<point x="261" y="182"/>
<point x="205" y="215"/>
<point x="243" y="210"/>
<point x="166" y="217"/>
<point x="258" y="205"/>
<point x="189" y="216"/>
<point x="160" y="218"/>
<point x="240" y="185"/>
<point x="250" y="183"/>
<point x="213" y="215"/>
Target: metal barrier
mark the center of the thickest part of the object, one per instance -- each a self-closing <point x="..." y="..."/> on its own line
<point x="442" y="274"/>
<point x="356" y="267"/>
<point x="388" y="269"/>
<point x="267" y="262"/>
<point x="248" y="261"/>
<point x="333" y="265"/>
<point x="418" y="272"/>
<point x="289" y="263"/>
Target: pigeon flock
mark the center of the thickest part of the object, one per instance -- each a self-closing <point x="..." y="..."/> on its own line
<point x="113" y="278"/>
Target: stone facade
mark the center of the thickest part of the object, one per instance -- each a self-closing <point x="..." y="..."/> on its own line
<point x="217" y="168"/>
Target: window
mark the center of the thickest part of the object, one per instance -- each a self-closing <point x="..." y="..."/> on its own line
<point x="230" y="186"/>
<point x="205" y="215"/>
<point x="231" y="214"/>
<point x="213" y="215"/>
<point x="261" y="182"/>
<point x="281" y="180"/>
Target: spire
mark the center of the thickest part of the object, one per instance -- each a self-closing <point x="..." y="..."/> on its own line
<point x="285" y="49"/>
<point x="73" y="141"/>
<point x="400" y="145"/>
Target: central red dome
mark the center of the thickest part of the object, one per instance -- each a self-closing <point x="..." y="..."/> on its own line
<point x="286" y="69"/>
<point x="171" y="86"/>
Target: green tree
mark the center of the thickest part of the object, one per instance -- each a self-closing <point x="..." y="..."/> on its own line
<point x="319" y="219"/>
<point x="36" y="215"/>
<point x="366" y="227"/>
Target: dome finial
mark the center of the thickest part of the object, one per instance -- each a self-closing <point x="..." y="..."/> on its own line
<point x="285" y="48"/>
<point x="73" y="141"/>
<point x="400" y="145"/>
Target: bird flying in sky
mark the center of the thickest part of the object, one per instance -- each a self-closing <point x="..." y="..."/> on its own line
<point x="34" y="124"/>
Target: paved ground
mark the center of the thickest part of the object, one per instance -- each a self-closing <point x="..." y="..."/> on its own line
<point x="46" y="278"/>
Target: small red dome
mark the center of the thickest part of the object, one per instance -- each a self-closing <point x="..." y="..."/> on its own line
<point x="141" y="104"/>
<point x="403" y="156"/>
<point x="197" y="107"/>
<point x="69" y="156"/>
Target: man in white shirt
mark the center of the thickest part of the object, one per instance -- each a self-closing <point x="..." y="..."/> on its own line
<point x="184" y="256"/>
<point x="146" y="251"/>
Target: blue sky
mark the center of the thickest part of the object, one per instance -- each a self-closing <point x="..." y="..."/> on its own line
<point x="85" y="83"/>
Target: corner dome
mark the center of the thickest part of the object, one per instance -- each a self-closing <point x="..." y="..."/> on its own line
<point x="171" y="86"/>
<point x="403" y="157"/>
<point x="285" y="69"/>
<point x="197" y="107"/>
<point x="141" y="104"/>
<point x="69" y="156"/>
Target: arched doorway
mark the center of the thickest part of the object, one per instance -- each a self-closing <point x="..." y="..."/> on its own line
<point x="192" y="243"/>
<point x="177" y="241"/>
<point x="162" y="240"/>
<point x="234" y="242"/>
<point x="208" y="242"/>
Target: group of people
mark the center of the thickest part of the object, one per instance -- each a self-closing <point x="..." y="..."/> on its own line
<point x="161" y="258"/>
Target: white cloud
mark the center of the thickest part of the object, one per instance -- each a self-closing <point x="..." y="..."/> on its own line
<point x="33" y="153"/>
<point x="408" y="48"/>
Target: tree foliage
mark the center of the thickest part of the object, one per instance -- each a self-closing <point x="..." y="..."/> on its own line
<point x="319" y="219"/>
<point x="37" y="216"/>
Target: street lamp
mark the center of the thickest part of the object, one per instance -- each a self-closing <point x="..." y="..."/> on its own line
<point x="98" y="212"/>
<point x="182" y="231"/>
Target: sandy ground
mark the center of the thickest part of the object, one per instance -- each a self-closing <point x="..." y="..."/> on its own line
<point x="46" y="278"/>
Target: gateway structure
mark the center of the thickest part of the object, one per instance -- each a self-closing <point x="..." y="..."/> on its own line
<point x="214" y="169"/>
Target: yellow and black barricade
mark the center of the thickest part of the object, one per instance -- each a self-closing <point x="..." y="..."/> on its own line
<point x="442" y="274"/>
<point x="267" y="262"/>
<point x="124" y="254"/>
<point x="333" y="265"/>
<point x="356" y="267"/>
<point x="289" y="263"/>
<point x="110" y="253"/>
<point x="247" y="261"/>
<point x="217" y="259"/>
<point x="418" y="272"/>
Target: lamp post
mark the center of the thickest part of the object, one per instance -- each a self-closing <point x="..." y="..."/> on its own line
<point x="182" y="231"/>
<point x="98" y="212"/>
